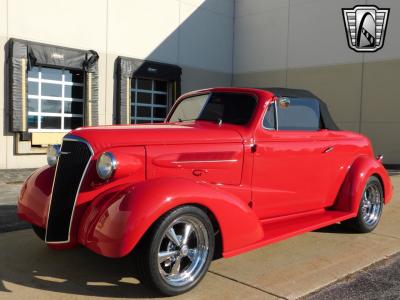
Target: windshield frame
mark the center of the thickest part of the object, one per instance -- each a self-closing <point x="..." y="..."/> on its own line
<point x="209" y="93"/>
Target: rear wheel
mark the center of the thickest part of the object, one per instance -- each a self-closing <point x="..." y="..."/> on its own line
<point x="176" y="253"/>
<point x="370" y="209"/>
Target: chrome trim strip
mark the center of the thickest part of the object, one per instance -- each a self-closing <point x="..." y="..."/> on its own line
<point x="71" y="138"/>
<point x="203" y="161"/>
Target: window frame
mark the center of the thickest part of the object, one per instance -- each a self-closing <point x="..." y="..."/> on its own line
<point x="39" y="97"/>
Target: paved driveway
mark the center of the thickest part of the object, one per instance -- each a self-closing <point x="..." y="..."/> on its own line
<point x="289" y="269"/>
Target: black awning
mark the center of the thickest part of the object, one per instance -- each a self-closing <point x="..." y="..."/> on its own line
<point x="22" y="55"/>
<point x="132" y="67"/>
<point x="128" y="68"/>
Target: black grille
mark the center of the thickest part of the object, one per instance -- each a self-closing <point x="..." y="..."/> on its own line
<point x="74" y="158"/>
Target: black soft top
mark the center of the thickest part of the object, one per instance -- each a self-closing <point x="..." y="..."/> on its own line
<point x="326" y="119"/>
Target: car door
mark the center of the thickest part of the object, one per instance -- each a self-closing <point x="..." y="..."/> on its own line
<point x="292" y="161"/>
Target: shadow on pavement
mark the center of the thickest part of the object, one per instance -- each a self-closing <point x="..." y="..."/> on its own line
<point x="9" y="220"/>
<point x="336" y="228"/>
<point x="25" y="260"/>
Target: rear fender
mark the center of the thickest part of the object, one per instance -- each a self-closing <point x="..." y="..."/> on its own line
<point x="117" y="220"/>
<point x="360" y="171"/>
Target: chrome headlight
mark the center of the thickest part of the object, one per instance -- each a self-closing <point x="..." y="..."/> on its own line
<point x="53" y="152"/>
<point x="106" y="165"/>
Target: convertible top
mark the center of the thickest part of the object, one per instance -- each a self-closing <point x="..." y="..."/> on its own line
<point x="326" y="118"/>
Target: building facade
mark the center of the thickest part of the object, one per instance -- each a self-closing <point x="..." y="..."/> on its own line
<point x="72" y="63"/>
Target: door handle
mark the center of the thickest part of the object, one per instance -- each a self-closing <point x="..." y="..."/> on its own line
<point x="199" y="172"/>
<point x="329" y="149"/>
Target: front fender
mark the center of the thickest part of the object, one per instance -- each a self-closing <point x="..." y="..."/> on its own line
<point x="34" y="197"/>
<point x="350" y="193"/>
<point x="117" y="220"/>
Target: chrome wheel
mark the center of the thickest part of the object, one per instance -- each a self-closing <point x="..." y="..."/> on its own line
<point x="183" y="251"/>
<point x="371" y="204"/>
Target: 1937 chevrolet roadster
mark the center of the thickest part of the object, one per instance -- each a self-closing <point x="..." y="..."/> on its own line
<point x="230" y="170"/>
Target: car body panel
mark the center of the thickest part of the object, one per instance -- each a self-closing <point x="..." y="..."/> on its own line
<point x="348" y="198"/>
<point x="112" y="226"/>
<point x="307" y="175"/>
<point x="219" y="164"/>
<point x="34" y="198"/>
<point x="102" y="137"/>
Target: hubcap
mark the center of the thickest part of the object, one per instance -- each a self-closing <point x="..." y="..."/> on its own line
<point x="183" y="251"/>
<point x="371" y="205"/>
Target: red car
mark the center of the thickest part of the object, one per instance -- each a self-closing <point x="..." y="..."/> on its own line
<point x="230" y="170"/>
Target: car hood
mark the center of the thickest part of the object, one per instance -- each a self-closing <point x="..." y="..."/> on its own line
<point x="102" y="137"/>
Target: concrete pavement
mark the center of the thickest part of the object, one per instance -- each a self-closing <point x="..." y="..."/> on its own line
<point x="289" y="269"/>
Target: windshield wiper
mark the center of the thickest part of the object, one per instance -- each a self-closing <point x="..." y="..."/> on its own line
<point x="185" y="120"/>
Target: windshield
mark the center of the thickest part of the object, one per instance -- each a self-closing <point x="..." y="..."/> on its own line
<point x="234" y="108"/>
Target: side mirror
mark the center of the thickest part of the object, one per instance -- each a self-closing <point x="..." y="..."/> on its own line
<point x="284" y="102"/>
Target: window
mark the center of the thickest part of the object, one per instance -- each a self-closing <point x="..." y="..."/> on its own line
<point x="149" y="100"/>
<point x="55" y="99"/>
<point x="226" y="107"/>
<point x="293" y="114"/>
<point x="299" y="114"/>
<point x="189" y="109"/>
<point x="269" y="121"/>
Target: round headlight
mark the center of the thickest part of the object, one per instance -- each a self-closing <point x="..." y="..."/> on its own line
<point x="53" y="152"/>
<point x="106" y="165"/>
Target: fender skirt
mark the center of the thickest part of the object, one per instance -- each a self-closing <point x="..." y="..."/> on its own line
<point x="352" y="188"/>
<point x="116" y="220"/>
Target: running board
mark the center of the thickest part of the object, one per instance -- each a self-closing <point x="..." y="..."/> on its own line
<point x="282" y="228"/>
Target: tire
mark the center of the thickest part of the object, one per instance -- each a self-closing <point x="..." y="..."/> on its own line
<point x="40" y="232"/>
<point x="370" y="209"/>
<point x="184" y="240"/>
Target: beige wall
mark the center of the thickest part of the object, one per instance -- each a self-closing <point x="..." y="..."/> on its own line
<point x="302" y="44"/>
<point x="194" y="34"/>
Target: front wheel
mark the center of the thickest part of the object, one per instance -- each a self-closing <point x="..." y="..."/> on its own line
<point x="176" y="253"/>
<point x="370" y="209"/>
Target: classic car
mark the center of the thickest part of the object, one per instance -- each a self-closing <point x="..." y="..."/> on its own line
<point x="230" y="170"/>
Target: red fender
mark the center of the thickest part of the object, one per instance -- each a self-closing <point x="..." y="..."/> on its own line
<point x="34" y="196"/>
<point x="115" y="222"/>
<point x="354" y="183"/>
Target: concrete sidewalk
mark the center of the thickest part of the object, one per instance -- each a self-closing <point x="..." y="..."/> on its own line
<point x="289" y="269"/>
